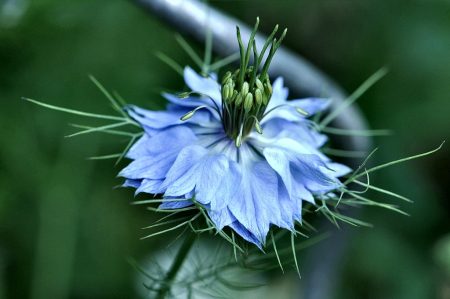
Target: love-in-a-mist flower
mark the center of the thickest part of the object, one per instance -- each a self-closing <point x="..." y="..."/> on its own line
<point x="238" y="148"/>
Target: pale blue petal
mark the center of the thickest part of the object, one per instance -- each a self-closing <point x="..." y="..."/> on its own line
<point x="132" y="183"/>
<point x="279" y="94"/>
<point x="299" y="131"/>
<point x="182" y="176"/>
<point x="221" y="218"/>
<point x="157" y="158"/>
<point x="140" y="148"/>
<point x="255" y="205"/>
<point x="337" y="169"/>
<point x="288" y="110"/>
<point x="282" y="162"/>
<point x="204" y="85"/>
<point x="246" y="234"/>
<point x="185" y="105"/>
<point x="152" y="121"/>
<point x="311" y="105"/>
<point x="149" y="186"/>
<point x="171" y="205"/>
<point x="217" y="179"/>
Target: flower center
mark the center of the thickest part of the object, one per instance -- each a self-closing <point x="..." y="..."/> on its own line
<point x="246" y="92"/>
<point x="244" y="104"/>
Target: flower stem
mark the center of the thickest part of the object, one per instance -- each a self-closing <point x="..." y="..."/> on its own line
<point x="177" y="263"/>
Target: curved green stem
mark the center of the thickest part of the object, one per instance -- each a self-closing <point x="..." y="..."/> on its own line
<point x="176" y="266"/>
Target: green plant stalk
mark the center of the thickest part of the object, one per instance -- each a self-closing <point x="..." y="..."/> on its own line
<point x="176" y="266"/>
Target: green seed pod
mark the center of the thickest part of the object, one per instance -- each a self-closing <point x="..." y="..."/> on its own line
<point x="258" y="96"/>
<point x="259" y="84"/>
<point x="248" y="102"/>
<point x="244" y="90"/>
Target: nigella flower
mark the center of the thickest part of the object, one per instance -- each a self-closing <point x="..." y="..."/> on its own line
<point x="238" y="148"/>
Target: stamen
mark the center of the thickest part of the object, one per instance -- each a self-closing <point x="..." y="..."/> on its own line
<point x="191" y="113"/>
<point x="246" y="92"/>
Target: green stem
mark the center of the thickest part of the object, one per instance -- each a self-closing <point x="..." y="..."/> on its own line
<point x="176" y="266"/>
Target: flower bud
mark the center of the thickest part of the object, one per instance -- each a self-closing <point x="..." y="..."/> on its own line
<point x="248" y="102"/>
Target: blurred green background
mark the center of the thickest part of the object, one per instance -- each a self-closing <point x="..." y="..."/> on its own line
<point x="64" y="231"/>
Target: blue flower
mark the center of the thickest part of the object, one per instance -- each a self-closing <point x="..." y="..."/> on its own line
<point x="247" y="185"/>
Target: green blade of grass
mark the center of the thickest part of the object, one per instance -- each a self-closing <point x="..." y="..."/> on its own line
<point x="170" y="62"/>
<point x="384" y="191"/>
<point x="113" y="101"/>
<point x="354" y="96"/>
<point x="189" y="51"/>
<point x="397" y="162"/>
<point x="364" y="133"/>
<point x="98" y="129"/>
<point x="75" y="112"/>
<point x="224" y="62"/>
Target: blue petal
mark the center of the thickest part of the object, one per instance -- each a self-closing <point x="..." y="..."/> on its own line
<point x="289" y="112"/>
<point x="185" y="105"/>
<point x="279" y="94"/>
<point x="299" y="131"/>
<point x="153" y="155"/>
<point x="246" y="234"/>
<point x="152" y="121"/>
<point x="132" y="183"/>
<point x="221" y="218"/>
<point x="291" y="208"/>
<point x="149" y="186"/>
<point x="311" y="105"/>
<point x="282" y="162"/>
<point x="170" y="205"/>
<point x="182" y="176"/>
<point x="255" y="205"/>
<point x="216" y="181"/>
<point x="337" y="169"/>
<point x="204" y="85"/>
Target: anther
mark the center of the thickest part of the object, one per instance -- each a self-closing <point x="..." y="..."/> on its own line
<point x="248" y="102"/>
<point x="258" y="97"/>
